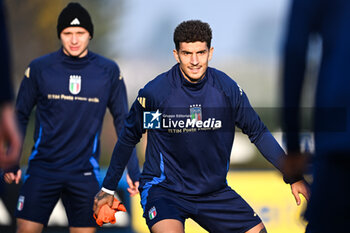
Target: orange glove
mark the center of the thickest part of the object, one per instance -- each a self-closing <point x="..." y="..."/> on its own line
<point x="106" y="213"/>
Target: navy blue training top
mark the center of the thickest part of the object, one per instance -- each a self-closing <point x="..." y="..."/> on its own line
<point x="190" y="151"/>
<point x="71" y="97"/>
<point x="331" y="20"/>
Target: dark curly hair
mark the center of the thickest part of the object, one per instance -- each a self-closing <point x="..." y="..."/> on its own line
<point x="192" y="31"/>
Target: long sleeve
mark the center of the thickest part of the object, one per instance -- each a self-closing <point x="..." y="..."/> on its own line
<point x="247" y="119"/>
<point x="250" y="123"/>
<point x="302" y="22"/>
<point x="118" y="106"/>
<point x="130" y="135"/>
<point x="27" y="98"/>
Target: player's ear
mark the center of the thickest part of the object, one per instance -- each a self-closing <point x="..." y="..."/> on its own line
<point x="211" y="50"/>
<point x="176" y="55"/>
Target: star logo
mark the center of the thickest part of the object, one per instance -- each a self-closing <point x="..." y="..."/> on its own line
<point x="156" y="115"/>
<point x="151" y="120"/>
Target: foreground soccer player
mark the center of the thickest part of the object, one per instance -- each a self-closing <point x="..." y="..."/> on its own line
<point x="72" y="89"/>
<point x="328" y="209"/>
<point x="10" y="140"/>
<point x="191" y="112"/>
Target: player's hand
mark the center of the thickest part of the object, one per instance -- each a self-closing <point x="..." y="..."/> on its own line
<point x="107" y="213"/>
<point x="102" y="198"/>
<point x="10" y="177"/>
<point x="10" y="140"/>
<point x="300" y="187"/>
<point x="133" y="186"/>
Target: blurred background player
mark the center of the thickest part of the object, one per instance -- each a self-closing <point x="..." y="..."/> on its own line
<point x="184" y="175"/>
<point x="10" y="142"/>
<point x="71" y="89"/>
<point x="328" y="209"/>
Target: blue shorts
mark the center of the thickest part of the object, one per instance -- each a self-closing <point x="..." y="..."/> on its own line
<point x="222" y="211"/>
<point x="39" y="195"/>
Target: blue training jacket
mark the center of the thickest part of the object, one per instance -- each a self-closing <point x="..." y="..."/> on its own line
<point x="330" y="19"/>
<point x="190" y="151"/>
<point x="71" y="96"/>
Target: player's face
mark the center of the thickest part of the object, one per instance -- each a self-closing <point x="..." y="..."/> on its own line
<point x="193" y="58"/>
<point x="75" y="41"/>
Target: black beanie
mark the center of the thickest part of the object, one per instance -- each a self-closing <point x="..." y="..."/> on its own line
<point x="74" y="15"/>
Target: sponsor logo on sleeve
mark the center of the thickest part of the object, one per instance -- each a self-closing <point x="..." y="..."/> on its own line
<point x="27" y="72"/>
<point x="142" y="101"/>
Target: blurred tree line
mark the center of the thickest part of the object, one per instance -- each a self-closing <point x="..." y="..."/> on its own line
<point x="32" y="33"/>
<point x="32" y="28"/>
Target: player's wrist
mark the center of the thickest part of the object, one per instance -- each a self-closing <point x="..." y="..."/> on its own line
<point x="108" y="191"/>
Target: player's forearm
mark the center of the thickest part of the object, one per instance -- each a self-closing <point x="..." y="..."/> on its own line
<point x="270" y="149"/>
<point x="120" y="158"/>
<point x="22" y="120"/>
<point x="26" y="100"/>
<point x="133" y="167"/>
